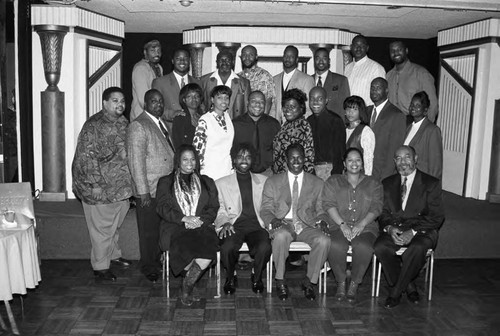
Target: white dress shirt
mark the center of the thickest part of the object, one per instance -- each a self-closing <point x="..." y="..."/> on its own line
<point x="219" y="80"/>
<point x="287" y="77"/>
<point x="179" y="79"/>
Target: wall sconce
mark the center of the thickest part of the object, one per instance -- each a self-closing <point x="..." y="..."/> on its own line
<point x="186" y="3"/>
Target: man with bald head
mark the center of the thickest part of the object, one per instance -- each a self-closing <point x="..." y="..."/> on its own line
<point x="335" y="85"/>
<point x="328" y="134"/>
<point x="363" y="70"/>
<point x="259" y="78"/>
<point x="258" y="129"/>
<point x="225" y="75"/>
<point x="412" y="215"/>
<point x="407" y="78"/>
<point x="290" y="78"/>
<point x="389" y="125"/>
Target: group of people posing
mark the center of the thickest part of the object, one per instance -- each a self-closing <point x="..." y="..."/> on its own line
<point x="234" y="158"/>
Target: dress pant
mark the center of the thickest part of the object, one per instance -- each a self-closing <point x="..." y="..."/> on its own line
<point x="399" y="272"/>
<point x="148" y="225"/>
<point x="362" y="251"/>
<point x="315" y="238"/>
<point x="103" y="222"/>
<point x="259" y="246"/>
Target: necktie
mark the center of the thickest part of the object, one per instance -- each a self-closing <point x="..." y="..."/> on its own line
<point x="403" y="190"/>
<point x="256" y="144"/>
<point x="320" y="83"/>
<point x="182" y="82"/>
<point x="374" y="116"/>
<point x="165" y="133"/>
<point x="295" y="200"/>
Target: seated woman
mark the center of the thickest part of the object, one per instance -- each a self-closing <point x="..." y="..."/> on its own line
<point x="425" y="137"/>
<point x="188" y="205"/>
<point x="296" y="129"/>
<point x="353" y="201"/>
<point x="183" y="126"/>
<point x="214" y="135"/>
<point x="358" y="134"/>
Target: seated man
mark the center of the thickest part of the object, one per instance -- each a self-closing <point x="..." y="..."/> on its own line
<point x="411" y="217"/>
<point x="291" y="204"/>
<point x="238" y="218"/>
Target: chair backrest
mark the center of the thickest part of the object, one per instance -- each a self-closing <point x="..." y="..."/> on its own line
<point x="17" y="197"/>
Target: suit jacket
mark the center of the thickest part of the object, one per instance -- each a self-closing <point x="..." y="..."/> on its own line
<point x="142" y="78"/>
<point x="171" y="213"/>
<point x="230" y="198"/>
<point x="169" y="88"/>
<point x="277" y="199"/>
<point x="149" y="154"/>
<point x="424" y="210"/>
<point x="428" y="144"/>
<point x="337" y="90"/>
<point x="300" y="81"/>
<point x="240" y="88"/>
<point x="389" y="130"/>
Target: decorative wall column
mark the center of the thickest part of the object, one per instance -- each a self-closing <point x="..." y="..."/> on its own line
<point x="196" y="51"/>
<point x="52" y="109"/>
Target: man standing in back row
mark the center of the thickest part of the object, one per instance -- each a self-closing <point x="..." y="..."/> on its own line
<point x="407" y="78"/>
<point x="290" y="78"/>
<point x="335" y="85"/>
<point x="363" y="70"/>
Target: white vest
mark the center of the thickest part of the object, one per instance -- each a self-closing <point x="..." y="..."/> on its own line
<point x="217" y="160"/>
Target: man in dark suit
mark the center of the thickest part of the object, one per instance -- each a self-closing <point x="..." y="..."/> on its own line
<point x="290" y="78"/>
<point x="291" y="205"/>
<point x="171" y="84"/>
<point x="412" y="215"/>
<point x="240" y="87"/>
<point x="335" y="85"/>
<point x="389" y="125"/>
<point x="150" y="156"/>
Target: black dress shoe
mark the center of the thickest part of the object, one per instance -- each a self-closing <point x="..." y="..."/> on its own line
<point x="257" y="285"/>
<point x="391" y="302"/>
<point x="413" y="297"/>
<point x="230" y="285"/>
<point x="153" y="277"/>
<point x="309" y="291"/>
<point x="121" y="262"/>
<point x="282" y="290"/>
<point x="105" y="275"/>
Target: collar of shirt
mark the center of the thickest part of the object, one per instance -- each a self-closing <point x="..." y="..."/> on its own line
<point x="361" y="61"/>
<point x="409" y="182"/>
<point x="179" y="78"/>
<point x="380" y="107"/>
<point x="155" y="120"/>
<point x="232" y="76"/>
<point x="287" y="77"/>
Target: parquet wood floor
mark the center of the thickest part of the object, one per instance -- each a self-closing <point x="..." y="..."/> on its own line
<point x="69" y="302"/>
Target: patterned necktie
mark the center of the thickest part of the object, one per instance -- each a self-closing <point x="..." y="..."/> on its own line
<point x="403" y="190"/>
<point x="295" y="200"/>
<point x="182" y="82"/>
<point x="320" y="83"/>
<point x="156" y="69"/>
<point x="374" y="116"/>
<point x="165" y="133"/>
<point x="256" y="144"/>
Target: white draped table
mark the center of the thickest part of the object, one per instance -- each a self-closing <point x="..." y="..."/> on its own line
<point x="19" y="267"/>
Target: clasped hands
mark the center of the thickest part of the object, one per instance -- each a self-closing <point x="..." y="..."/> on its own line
<point x="400" y="237"/>
<point x="351" y="232"/>
<point x="276" y="223"/>
<point x="192" y="222"/>
<point x="226" y="231"/>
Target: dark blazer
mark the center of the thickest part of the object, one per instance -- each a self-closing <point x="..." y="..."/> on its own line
<point x="169" y="88"/>
<point x="277" y="199"/>
<point x="337" y="90"/>
<point x="429" y="147"/>
<point x="424" y="210"/>
<point x="389" y="130"/>
<point x="240" y="88"/>
<point x="171" y="213"/>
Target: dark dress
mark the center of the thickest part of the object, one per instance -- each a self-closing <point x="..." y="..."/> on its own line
<point x="182" y="130"/>
<point x="183" y="244"/>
